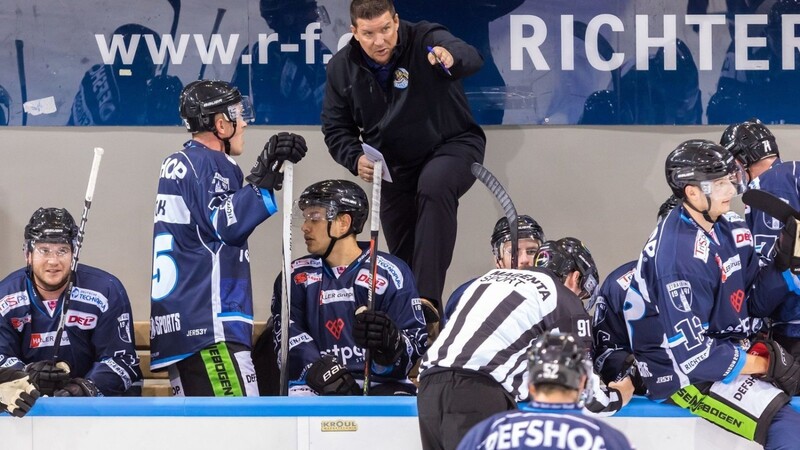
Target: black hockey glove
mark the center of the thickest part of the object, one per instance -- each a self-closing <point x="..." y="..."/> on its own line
<point x="17" y="393"/>
<point x="787" y="252"/>
<point x="78" y="387"/>
<point x="327" y="377"/>
<point x="782" y="371"/>
<point x="632" y="370"/>
<point x="376" y="331"/>
<point x="281" y="147"/>
<point x="48" y="376"/>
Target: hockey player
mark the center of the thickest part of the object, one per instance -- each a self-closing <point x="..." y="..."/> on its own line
<point x="557" y="372"/>
<point x="611" y="348"/>
<point x="17" y="393"/>
<point x="201" y="308"/>
<point x="477" y="365"/>
<point x="97" y="354"/>
<point x="530" y="236"/>
<point x="329" y="331"/>
<point x="697" y="284"/>
<point x="754" y="146"/>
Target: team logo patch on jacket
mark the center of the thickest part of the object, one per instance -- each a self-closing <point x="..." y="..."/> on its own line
<point x="401" y="78"/>
<point x="680" y="294"/>
<point x="124" y="328"/>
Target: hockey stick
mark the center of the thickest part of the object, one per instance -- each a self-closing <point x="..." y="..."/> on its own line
<point x="87" y="203"/>
<point x="214" y="29"/>
<point x="770" y="204"/>
<point x="286" y="298"/>
<point x="374" y="230"/>
<point x="23" y="86"/>
<point x="494" y="186"/>
<point x="176" y="13"/>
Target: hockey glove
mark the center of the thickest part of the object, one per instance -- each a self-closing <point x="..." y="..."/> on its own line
<point x="78" y="387"/>
<point x="376" y="331"/>
<point x="787" y="252"/>
<point x="327" y="377"/>
<point x="48" y="376"/>
<point x="782" y="370"/>
<point x="266" y="173"/>
<point x="17" y="393"/>
<point x="632" y="370"/>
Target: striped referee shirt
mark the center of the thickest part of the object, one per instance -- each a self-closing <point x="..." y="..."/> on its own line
<point x="498" y="318"/>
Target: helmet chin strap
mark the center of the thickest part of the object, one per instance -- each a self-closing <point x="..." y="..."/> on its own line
<point x="703" y="212"/>
<point x="226" y="142"/>
<point x="333" y="240"/>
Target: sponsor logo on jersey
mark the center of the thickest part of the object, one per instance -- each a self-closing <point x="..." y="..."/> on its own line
<point x="82" y="320"/>
<point x="120" y="371"/>
<point x="690" y="364"/>
<point x="309" y="262"/>
<point x="335" y="327"/>
<point x="345" y="353"/>
<point x="196" y="332"/>
<point x="90" y="297"/>
<point x="171" y="209"/>
<point x="230" y="214"/>
<point x="223" y="374"/>
<point x="299" y="339"/>
<point x="165" y="324"/>
<point x="543" y="433"/>
<point x="745" y="386"/>
<point x="173" y="169"/>
<point x="737" y="299"/>
<point x="307" y="278"/>
<point x="124" y="327"/>
<point x="742" y="237"/>
<point x="18" y="323"/>
<point x="680" y="294"/>
<point x="336" y="295"/>
<point x="625" y="280"/>
<point x="13" y="301"/>
<point x="701" y="245"/>
<point x="8" y="362"/>
<point x="746" y="325"/>
<point x="727" y="268"/>
<point x="364" y="280"/>
<point x="393" y="270"/>
<point x="664" y="379"/>
<point x="39" y="340"/>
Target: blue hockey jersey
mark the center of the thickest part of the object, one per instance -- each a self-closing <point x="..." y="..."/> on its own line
<point x="323" y="314"/>
<point x="610" y="342"/>
<point x="97" y="342"/>
<point x="201" y="291"/>
<point x="781" y="180"/>
<point x="543" y="426"/>
<point x="695" y="293"/>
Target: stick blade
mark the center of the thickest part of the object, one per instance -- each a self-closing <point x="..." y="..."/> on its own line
<point x="770" y="204"/>
<point x="509" y="210"/>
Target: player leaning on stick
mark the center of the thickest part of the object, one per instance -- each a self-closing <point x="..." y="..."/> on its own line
<point x="97" y="355"/>
<point x="201" y="310"/>
<point x="329" y="331"/>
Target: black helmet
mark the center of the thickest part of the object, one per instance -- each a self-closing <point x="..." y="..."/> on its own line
<point x="695" y="161"/>
<point x="749" y="142"/>
<point x="557" y="358"/>
<point x="53" y="225"/>
<point x="337" y="197"/>
<point x="668" y="205"/>
<point x="527" y="228"/>
<point x="567" y="255"/>
<point x="201" y="100"/>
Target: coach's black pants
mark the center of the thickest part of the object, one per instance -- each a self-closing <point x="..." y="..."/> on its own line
<point x="449" y="403"/>
<point x="419" y="212"/>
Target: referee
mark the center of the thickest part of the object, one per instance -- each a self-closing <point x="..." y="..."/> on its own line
<point x="477" y="366"/>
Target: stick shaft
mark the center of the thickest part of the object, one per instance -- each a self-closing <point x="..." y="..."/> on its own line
<point x="87" y="204"/>
<point x="286" y="298"/>
<point x="374" y="231"/>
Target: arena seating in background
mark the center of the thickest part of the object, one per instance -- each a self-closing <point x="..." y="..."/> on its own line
<point x="156" y="384"/>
